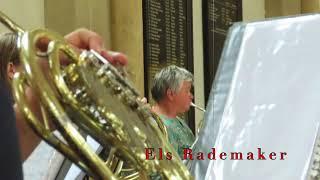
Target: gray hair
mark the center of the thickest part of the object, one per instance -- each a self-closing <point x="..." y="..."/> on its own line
<point x="170" y="77"/>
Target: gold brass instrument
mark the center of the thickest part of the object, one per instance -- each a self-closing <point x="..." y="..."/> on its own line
<point x="93" y="97"/>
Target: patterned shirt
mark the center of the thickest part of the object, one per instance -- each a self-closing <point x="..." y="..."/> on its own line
<point x="180" y="135"/>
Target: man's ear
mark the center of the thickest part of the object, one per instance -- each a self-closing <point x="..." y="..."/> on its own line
<point x="11" y="69"/>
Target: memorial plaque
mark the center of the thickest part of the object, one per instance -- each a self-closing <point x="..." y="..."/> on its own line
<point x="218" y="16"/>
<point x="167" y="38"/>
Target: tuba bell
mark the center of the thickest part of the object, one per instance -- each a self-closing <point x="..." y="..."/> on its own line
<point x="89" y="96"/>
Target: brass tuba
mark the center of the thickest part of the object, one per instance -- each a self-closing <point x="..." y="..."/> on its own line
<point x="90" y="96"/>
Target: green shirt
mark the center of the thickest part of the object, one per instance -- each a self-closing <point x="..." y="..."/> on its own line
<point x="179" y="133"/>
